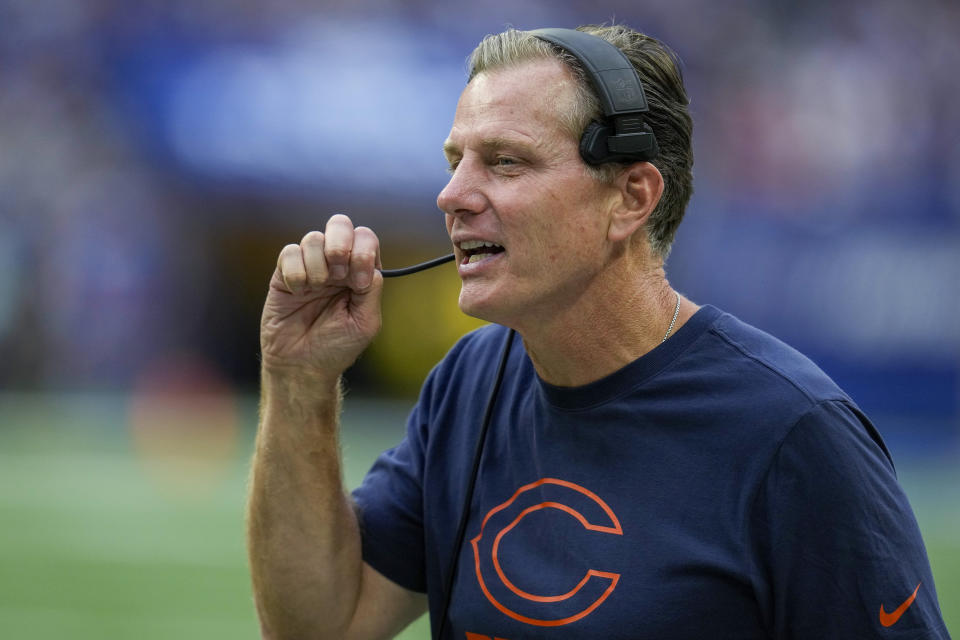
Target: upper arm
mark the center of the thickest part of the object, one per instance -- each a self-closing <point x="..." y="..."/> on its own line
<point x="384" y="607"/>
<point x="838" y="536"/>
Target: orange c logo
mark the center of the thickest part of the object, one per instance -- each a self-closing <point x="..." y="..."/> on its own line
<point x="591" y="597"/>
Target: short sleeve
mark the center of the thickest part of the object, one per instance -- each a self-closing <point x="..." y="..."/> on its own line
<point x="390" y="503"/>
<point x="837" y="539"/>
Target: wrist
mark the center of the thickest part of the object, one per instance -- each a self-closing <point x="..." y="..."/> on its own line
<point x="276" y="371"/>
<point x="296" y="408"/>
<point x="300" y="386"/>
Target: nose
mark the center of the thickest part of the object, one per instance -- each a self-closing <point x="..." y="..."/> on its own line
<point x="463" y="194"/>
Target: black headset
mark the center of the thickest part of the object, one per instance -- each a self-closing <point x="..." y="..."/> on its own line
<point x="623" y="135"/>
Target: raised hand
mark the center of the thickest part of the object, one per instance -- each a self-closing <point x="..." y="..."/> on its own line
<point x="323" y="305"/>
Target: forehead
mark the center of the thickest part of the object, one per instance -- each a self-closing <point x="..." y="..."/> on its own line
<point x="526" y="100"/>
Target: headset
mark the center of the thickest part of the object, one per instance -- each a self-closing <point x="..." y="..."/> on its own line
<point x="622" y="135"/>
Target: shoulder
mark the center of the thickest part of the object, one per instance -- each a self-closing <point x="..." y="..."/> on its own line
<point x="834" y="437"/>
<point x="815" y="418"/>
<point x="779" y="358"/>
<point x="762" y="389"/>
<point x="732" y="353"/>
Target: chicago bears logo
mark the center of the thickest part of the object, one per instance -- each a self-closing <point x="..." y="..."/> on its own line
<point x="575" y="600"/>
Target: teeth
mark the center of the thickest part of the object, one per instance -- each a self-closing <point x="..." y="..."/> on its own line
<point x="466" y="245"/>
<point x="477" y="257"/>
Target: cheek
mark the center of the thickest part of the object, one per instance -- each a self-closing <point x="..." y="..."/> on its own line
<point x="563" y="246"/>
<point x="580" y="233"/>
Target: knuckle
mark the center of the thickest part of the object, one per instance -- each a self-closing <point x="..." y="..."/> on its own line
<point x="364" y="257"/>
<point x="317" y="275"/>
<point x="295" y="280"/>
<point x="337" y="253"/>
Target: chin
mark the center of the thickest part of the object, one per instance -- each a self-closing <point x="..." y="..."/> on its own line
<point x="473" y="309"/>
<point x="482" y="305"/>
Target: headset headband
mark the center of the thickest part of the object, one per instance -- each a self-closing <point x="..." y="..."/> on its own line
<point x="624" y="136"/>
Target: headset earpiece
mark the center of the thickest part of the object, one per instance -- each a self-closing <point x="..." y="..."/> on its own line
<point x="598" y="146"/>
<point x="593" y="143"/>
<point x="623" y="135"/>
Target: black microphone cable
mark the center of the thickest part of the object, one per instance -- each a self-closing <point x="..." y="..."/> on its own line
<point x="477" y="455"/>
<point x="478" y="449"/>
<point x="429" y="264"/>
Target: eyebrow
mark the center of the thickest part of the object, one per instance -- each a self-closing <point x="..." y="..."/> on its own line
<point x="494" y="142"/>
<point x="450" y="149"/>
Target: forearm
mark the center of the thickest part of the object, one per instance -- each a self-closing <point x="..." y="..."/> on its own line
<point x="303" y="537"/>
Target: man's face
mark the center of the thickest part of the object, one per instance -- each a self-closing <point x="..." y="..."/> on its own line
<point x="518" y="183"/>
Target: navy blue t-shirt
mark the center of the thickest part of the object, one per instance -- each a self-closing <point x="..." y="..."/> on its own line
<point x="720" y="486"/>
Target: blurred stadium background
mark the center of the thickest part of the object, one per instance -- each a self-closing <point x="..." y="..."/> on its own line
<point x="155" y="156"/>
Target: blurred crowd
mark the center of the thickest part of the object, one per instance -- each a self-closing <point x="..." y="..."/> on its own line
<point x="155" y="156"/>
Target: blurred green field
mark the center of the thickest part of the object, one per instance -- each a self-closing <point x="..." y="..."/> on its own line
<point x="107" y="534"/>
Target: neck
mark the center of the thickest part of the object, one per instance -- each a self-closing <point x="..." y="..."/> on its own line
<point x="621" y="316"/>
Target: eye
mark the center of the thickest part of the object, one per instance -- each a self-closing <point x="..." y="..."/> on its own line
<point x="509" y="166"/>
<point x="453" y="166"/>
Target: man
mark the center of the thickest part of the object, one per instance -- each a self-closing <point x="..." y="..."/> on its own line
<point x="653" y="469"/>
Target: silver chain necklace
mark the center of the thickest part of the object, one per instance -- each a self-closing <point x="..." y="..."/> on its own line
<point x="676" y="312"/>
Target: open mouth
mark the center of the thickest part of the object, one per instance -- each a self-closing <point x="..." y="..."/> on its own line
<point x="477" y="250"/>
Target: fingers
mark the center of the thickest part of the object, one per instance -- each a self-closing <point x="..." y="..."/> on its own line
<point x="364" y="258"/>
<point x="312" y="247"/>
<point x="341" y="255"/>
<point x="338" y="246"/>
<point x="291" y="268"/>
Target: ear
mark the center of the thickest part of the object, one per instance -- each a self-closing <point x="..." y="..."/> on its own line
<point x="640" y="186"/>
